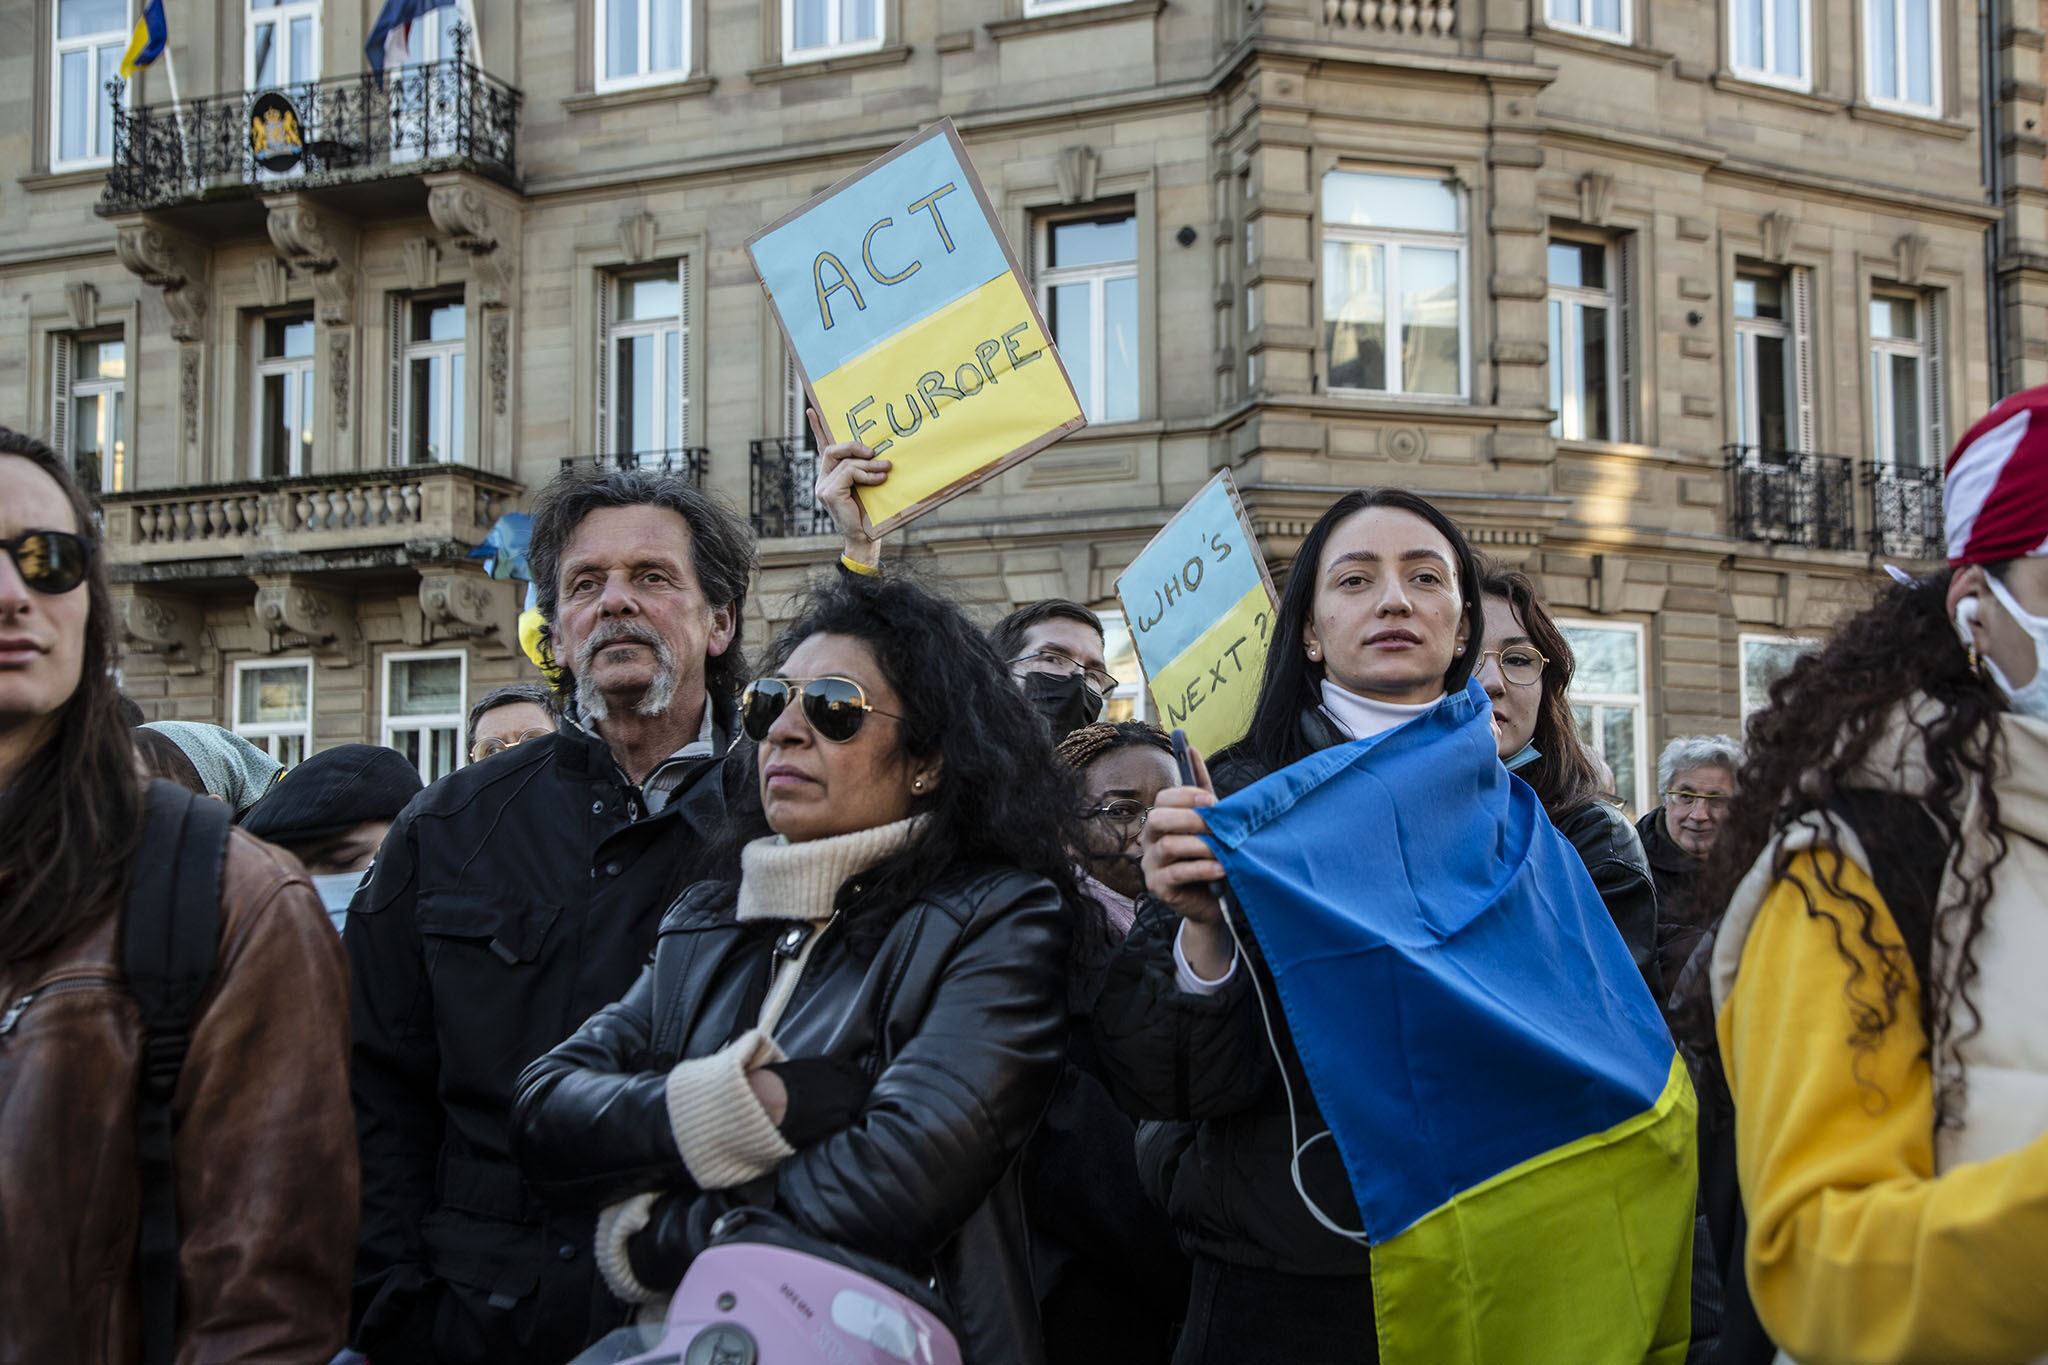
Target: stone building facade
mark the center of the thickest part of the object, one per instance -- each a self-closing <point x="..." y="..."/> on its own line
<point x="1677" y="306"/>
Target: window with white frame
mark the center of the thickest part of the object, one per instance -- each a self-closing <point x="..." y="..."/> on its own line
<point x="1906" y="417"/>
<point x="424" y="709"/>
<point x="1130" y="700"/>
<point x="283" y="392"/>
<point x="1765" y="659"/>
<point x="422" y="125"/>
<point x="642" y="42"/>
<point x="1591" y="341"/>
<point x="88" y="408"/>
<point x="91" y="36"/>
<point x="283" y="46"/>
<point x="432" y="363"/>
<point x="1609" y="20"/>
<point x="1902" y="55"/>
<point x="644" y="403"/>
<point x="1607" y="700"/>
<point x="1773" y="360"/>
<point x="1769" y="41"/>
<point x="814" y="29"/>
<point x="273" y="707"/>
<point x="1394" y="283"/>
<point x="1088" y="287"/>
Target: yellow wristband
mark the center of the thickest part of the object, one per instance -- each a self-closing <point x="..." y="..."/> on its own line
<point x="852" y="565"/>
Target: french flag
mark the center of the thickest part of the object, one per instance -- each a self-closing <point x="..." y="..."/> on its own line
<point x="391" y="36"/>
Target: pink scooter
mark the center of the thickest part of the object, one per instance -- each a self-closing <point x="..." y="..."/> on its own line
<point x="753" y="1297"/>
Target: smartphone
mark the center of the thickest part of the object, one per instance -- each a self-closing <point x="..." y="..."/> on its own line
<point x="1180" y="756"/>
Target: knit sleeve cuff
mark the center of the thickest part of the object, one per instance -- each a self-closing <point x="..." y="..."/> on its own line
<point x="615" y="1227"/>
<point x="724" y="1135"/>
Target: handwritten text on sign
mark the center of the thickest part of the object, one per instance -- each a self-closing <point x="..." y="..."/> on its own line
<point x="1201" y="615"/>
<point x="907" y="316"/>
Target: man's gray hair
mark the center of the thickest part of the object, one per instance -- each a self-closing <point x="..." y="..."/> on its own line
<point x="1698" y="751"/>
<point x="721" y="546"/>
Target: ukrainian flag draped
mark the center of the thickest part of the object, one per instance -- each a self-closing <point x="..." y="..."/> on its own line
<point x="1513" y="1117"/>
<point x="147" y="43"/>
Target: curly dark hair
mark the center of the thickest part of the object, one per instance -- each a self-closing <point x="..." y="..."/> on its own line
<point x="1802" y="751"/>
<point x="1564" y="777"/>
<point x="71" y="819"/>
<point x="1005" y="800"/>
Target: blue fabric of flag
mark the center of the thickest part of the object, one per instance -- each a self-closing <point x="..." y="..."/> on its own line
<point x="395" y="14"/>
<point x="1458" y="995"/>
<point x="147" y="43"/>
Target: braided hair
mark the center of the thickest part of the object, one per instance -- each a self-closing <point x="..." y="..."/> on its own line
<point x="1083" y="746"/>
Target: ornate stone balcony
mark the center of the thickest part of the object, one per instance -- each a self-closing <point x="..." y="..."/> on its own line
<point x="385" y="516"/>
<point x="1426" y="18"/>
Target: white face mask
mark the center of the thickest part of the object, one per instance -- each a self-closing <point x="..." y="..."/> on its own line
<point x="2031" y="700"/>
<point x="336" y="890"/>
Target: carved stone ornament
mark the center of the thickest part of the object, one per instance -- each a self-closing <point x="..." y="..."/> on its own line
<point x="1911" y="251"/>
<point x="463" y="604"/>
<point x="337" y="375"/>
<point x="461" y="212"/>
<point x="1076" y="173"/>
<point x="334" y="297"/>
<point x="296" y="615"/>
<point x="1596" y="195"/>
<point x="82" y="304"/>
<point x="273" y="281"/>
<point x="321" y="246"/>
<point x="173" y="264"/>
<point x="1776" y="230"/>
<point x="501" y="358"/>
<point x="188" y="391"/>
<point x="636" y="236"/>
<point x="170" y="627"/>
<point x="422" y="263"/>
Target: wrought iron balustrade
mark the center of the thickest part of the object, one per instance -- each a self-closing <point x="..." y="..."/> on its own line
<point x="688" y="461"/>
<point x="784" y="501"/>
<point x="422" y="116"/>
<point x="1905" y="510"/>
<point x="1785" y="497"/>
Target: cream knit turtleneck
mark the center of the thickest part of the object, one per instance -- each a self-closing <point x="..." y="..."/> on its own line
<point x="1364" y="717"/>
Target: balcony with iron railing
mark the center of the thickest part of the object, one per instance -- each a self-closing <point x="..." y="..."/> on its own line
<point x="1905" y="511"/>
<point x="430" y="116"/>
<point x="1784" y="497"/>
<point x="688" y="461"/>
<point x="784" y="497"/>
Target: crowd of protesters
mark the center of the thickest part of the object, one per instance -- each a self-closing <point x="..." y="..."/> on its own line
<point x="893" y="938"/>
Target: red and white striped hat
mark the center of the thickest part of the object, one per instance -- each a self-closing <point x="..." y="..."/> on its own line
<point x="1995" y="501"/>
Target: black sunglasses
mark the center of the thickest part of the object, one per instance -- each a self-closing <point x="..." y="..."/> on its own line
<point x="834" y="707"/>
<point x="49" y="561"/>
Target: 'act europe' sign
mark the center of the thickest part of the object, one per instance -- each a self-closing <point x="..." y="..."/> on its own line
<point x="913" y="326"/>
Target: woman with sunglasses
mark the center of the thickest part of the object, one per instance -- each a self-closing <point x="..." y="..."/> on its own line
<point x="262" y="1161"/>
<point x="859" y="1021"/>
<point x="1526" y="670"/>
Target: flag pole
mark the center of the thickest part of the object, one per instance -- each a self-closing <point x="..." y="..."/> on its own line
<point x="177" y="102"/>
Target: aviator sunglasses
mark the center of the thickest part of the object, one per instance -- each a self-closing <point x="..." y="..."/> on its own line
<point x="49" y="561"/>
<point x="834" y="707"/>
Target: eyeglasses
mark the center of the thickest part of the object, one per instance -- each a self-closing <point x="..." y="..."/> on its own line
<point x="50" y="562"/>
<point x="835" y="708"/>
<point x="1099" y="681"/>
<point x="1519" y="664"/>
<point x="1128" y="814"/>
<point x="485" y="748"/>
<point x="1708" y="801"/>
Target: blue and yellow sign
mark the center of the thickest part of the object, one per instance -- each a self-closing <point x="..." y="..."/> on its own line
<point x="913" y="326"/>
<point x="1200" y="608"/>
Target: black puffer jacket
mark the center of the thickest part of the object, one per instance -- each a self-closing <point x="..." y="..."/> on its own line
<point x="960" y="1019"/>
<point x="1608" y="846"/>
<point x="1679" y="922"/>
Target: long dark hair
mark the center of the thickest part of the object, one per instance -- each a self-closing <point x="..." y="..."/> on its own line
<point x="1564" y="777"/>
<point x="1293" y="683"/>
<point x="1802" y="754"/>
<point x="1002" y="799"/>
<point x="72" y="817"/>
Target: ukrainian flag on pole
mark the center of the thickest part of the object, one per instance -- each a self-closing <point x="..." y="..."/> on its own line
<point x="1515" y="1122"/>
<point x="148" y="43"/>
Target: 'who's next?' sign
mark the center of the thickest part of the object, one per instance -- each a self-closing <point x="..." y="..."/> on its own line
<point x="1200" y="607"/>
<point x="913" y="327"/>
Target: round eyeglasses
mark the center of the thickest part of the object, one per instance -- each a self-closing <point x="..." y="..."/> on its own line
<point x="1519" y="664"/>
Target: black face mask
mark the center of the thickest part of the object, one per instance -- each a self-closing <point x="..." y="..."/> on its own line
<point x="1066" y="703"/>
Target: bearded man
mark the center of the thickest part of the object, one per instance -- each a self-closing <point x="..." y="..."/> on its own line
<point x="515" y="898"/>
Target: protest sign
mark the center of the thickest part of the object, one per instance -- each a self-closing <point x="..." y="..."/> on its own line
<point x="1200" y="607"/>
<point x="914" y="328"/>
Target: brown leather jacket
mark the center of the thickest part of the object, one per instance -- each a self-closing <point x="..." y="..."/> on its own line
<point x="265" y="1143"/>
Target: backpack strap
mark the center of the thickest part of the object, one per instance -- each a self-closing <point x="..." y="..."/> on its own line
<point x="169" y="939"/>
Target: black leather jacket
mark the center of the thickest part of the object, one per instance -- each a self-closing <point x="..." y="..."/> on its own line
<point x="1608" y="846"/>
<point x="960" y="1019"/>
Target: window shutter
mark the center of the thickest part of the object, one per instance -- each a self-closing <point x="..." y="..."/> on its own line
<point x="394" y="323"/>
<point x="60" y="395"/>
<point x="1805" y="423"/>
<point x="1628" y="402"/>
<point x="794" y="424"/>
<point x="681" y="436"/>
<point x="1937" y="381"/>
<point x="601" y="443"/>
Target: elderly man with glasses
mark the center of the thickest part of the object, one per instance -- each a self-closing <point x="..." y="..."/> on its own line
<point x="1696" y="775"/>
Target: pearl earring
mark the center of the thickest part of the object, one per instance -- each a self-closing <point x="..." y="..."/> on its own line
<point x="918" y="785"/>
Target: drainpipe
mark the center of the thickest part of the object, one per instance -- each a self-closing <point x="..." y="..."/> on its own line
<point x="1990" y="91"/>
